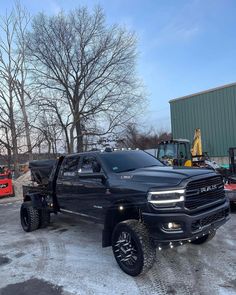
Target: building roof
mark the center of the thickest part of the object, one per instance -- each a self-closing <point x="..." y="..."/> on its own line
<point x="203" y="92"/>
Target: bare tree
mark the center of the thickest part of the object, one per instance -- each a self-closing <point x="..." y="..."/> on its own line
<point x="48" y="104"/>
<point x="132" y="137"/>
<point x="13" y="90"/>
<point x="5" y="144"/>
<point x="22" y="91"/>
<point x="50" y="132"/>
<point x="8" y="74"/>
<point x="90" y="68"/>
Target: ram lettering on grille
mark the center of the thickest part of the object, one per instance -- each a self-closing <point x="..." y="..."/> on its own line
<point x="208" y="188"/>
<point x="203" y="192"/>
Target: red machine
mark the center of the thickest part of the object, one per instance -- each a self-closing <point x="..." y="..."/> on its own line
<point x="230" y="186"/>
<point x="230" y="190"/>
<point x="6" y="186"/>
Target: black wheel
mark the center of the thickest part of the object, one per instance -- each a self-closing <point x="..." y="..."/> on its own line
<point x="204" y="239"/>
<point x="44" y="218"/>
<point x="29" y="217"/>
<point x="132" y="248"/>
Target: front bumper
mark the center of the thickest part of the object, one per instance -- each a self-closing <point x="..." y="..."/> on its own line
<point x="192" y="226"/>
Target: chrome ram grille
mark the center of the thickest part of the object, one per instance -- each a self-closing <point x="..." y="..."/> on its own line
<point x="203" y="192"/>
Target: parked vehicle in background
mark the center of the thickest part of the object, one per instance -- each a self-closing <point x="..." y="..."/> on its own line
<point x="6" y="185"/>
<point x="230" y="177"/>
<point x="230" y="191"/>
<point x="178" y="152"/>
<point x="142" y="204"/>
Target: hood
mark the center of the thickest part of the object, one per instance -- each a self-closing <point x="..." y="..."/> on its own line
<point x="164" y="176"/>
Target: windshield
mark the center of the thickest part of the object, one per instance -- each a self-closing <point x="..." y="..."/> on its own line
<point x="128" y="161"/>
<point x="169" y="151"/>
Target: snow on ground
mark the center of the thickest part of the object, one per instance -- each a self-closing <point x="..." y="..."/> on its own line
<point x="24" y="179"/>
<point x="67" y="258"/>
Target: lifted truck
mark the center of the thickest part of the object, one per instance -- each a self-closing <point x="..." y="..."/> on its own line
<point x="142" y="204"/>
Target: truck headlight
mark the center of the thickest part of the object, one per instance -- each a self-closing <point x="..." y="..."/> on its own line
<point x="166" y="198"/>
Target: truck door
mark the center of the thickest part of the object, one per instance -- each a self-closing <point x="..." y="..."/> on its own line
<point x="66" y="187"/>
<point x="92" y="192"/>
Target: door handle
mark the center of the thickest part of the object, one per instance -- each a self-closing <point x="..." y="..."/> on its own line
<point x="64" y="182"/>
<point x="71" y="183"/>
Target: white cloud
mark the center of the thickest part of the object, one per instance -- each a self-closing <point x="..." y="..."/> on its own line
<point x="182" y="26"/>
<point x="54" y="7"/>
<point x="180" y="31"/>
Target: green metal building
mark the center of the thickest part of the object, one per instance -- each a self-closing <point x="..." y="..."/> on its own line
<point x="214" y="112"/>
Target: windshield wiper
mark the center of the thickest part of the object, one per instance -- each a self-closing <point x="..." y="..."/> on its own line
<point x="150" y="166"/>
<point x="132" y="169"/>
<point x="127" y="170"/>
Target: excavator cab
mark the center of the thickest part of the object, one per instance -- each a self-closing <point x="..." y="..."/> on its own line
<point x="175" y="152"/>
<point x="178" y="152"/>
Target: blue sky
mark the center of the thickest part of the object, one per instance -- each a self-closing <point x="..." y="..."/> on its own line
<point x="185" y="46"/>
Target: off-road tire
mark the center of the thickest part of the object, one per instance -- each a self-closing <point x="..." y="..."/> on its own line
<point x="29" y="217"/>
<point x="44" y="218"/>
<point x="146" y="251"/>
<point x="204" y="239"/>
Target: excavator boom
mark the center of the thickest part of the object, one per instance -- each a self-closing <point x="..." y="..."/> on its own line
<point x="196" y="149"/>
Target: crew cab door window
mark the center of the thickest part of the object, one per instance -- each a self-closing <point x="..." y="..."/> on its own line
<point x="92" y="192"/>
<point x="70" y="167"/>
<point x="90" y="165"/>
<point x="66" y="188"/>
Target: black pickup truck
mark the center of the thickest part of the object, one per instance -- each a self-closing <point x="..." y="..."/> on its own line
<point x="142" y="204"/>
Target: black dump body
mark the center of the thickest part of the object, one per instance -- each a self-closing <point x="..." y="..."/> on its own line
<point x="41" y="170"/>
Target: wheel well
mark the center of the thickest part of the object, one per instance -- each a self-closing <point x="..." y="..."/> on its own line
<point x="36" y="199"/>
<point x="27" y="198"/>
<point x="120" y="212"/>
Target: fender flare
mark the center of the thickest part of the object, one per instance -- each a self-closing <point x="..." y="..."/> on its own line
<point x="36" y="199"/>
<point x="114" y="216"/>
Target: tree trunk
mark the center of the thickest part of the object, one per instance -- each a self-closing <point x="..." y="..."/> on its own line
<point x="71" y="146"/>
<point x="53" y="148"/>
<point x="67" y="139"/>
<point x="8" y="147"/>
<point x="15" y="154"/>
<point x="79" y="136"/>
<point x="21" y="99"/>
<point x="9" y="158"/>
<point x="13" y="133"/>
<point x="49" y="147"/>
<point x="14" y="147"/>
<point x="27" y="130"/>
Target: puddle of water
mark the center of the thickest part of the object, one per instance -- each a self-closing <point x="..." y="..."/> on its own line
<point x="4" y="260"/>
<point x="32" y="286"/>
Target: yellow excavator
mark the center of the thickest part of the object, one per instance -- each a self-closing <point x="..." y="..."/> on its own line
<point x="196" y="149"/>
<point x="177" y="152"/>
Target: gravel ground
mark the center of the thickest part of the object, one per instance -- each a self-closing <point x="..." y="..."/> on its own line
<point x="67" y="258"/>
